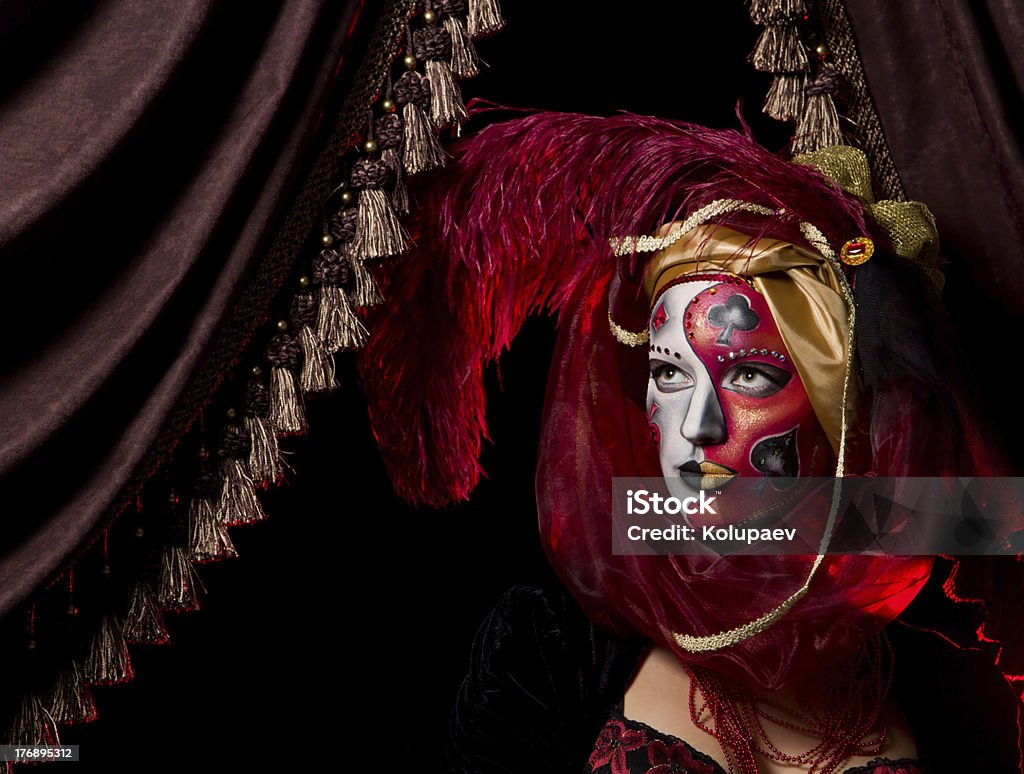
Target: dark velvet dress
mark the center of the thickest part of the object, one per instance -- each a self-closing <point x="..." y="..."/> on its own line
<point x="545" y="688"/>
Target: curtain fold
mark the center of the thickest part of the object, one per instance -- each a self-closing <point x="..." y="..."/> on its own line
<point x="947" y="80"/>
<point x="147" y="149"/>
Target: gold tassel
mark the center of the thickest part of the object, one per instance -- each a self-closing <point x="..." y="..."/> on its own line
<point x="389" y="131"/>
<point x="378" y="231"/>
<point x="399" y="193"/>
<point x="337" y="324"/>
<point x="286" y="414"/>
<point x="819" y="125"/>
<point x="433" y="45"/>
<point x="421" y="149"/>
<point x="238" y="503"/>
<point x="264" y="453"/>
<point x="484" y="18"/>
<point x="317" y="363"/>
<point x="178" y="581"/>
<point x="446" y="105"/>
<point x="71" y="700"/>
<point x="366" y="293"/>
<point x="780" y="50"/>
<point x="209" y="540"/>
<point x="768" y="11"/>
<point x="33" y="725"/>
<point x="464" y="58"/>
<point x="108" y="661"/>
<point x="785" y="100"/>
<point x="144" y="624"/>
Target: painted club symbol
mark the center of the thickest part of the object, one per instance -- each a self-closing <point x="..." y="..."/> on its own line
<point x="734" y="315"/>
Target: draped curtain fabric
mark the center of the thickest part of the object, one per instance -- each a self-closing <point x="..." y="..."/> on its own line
<point x="947" y="80"/>
<point x="147" y="148"/>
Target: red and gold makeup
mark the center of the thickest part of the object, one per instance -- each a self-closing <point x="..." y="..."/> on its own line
<point x="723" y="397"/>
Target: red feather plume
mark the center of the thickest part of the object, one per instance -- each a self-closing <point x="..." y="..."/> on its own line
<point x="517" y="224"/>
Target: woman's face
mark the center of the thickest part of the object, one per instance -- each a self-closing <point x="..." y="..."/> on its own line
<point x="723" y="397"/>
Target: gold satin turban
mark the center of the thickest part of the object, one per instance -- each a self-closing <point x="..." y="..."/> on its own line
<point x="801" y="289"/>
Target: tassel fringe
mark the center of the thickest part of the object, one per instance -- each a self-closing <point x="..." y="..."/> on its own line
<point x="785" y="100"/>
<point x="264" y="453"/>
<point x="378" y="232"/>
<point x="780" y="50"/>
<point x="145" y="622"/>
<point x="317" y="363"/>
<point x="238" y="503"/>
<point x="464" y="62"/>
<point x="109" y="661"/>
<point x="819" y="126"/>
<point x="366" y="292"/>
<point x="337" y="324"/>
<point x="178" y="581"/>
<point x="484" y="18"/>
<point x="71" y="701"/>
<point x="33" y="725"/>
<point x="209" y="540"/>
<point x="768" y="11"/>
<point x="287" y="414"/>
<point x="399" y="194"/>
<point x="422" y="150"/>
<point x="446" y="105"/>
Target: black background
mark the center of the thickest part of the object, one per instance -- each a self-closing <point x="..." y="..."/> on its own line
<point x="343" y="629"/>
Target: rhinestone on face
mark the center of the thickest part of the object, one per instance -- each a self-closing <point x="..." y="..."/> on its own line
<point x="743" y="353"/>
<point x="732" y="355"/>
<point x="721" y="359"/>
<point x="774" y="353"/>
<point x="764" y="351"/>
<point x="782" y="358"/>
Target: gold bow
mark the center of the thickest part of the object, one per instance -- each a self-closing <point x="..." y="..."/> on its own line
<point x="909" y="225"/>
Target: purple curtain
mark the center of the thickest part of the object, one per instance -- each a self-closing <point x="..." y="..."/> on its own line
<point x="147" y="150"/>
<point x="947" y="80"/>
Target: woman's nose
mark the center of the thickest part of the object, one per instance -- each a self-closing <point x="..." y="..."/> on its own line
<point x="704" y="423"/>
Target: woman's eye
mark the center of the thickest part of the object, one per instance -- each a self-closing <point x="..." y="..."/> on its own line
<point x="758" y="380"/>
<point x="669" y="378"/>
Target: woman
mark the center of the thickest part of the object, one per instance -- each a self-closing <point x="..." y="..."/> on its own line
<point x="722" y="312"/>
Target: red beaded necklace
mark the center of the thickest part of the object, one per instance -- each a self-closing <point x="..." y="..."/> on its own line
<point x="847" y="721"/>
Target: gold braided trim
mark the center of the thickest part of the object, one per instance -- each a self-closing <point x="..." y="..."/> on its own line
<point x="627" y="337"/>
<point x="628" y="245"/>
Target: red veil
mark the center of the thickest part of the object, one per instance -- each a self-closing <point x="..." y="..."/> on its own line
<point x="521" y="223"/>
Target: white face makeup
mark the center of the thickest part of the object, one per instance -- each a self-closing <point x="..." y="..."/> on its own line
<point x="682" y="402"/>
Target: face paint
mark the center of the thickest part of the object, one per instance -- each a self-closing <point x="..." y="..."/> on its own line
<point x="723" y="398"/>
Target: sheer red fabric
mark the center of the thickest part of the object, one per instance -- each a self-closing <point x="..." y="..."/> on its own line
<point x="594" y="429"/>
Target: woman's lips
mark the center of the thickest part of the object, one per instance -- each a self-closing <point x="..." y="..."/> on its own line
<point x="705" y="475"/>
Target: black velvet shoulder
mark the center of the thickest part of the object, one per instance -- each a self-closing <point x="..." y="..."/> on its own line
<point x="541" y="682"/>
